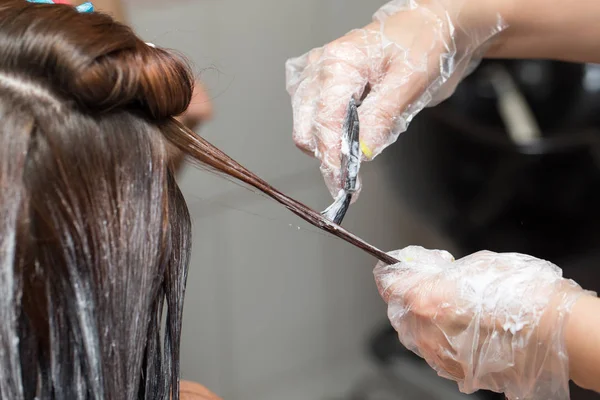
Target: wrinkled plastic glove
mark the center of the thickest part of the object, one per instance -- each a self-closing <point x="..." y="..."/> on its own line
<point x="412" y="56"/>
<point x="488" y="321"/>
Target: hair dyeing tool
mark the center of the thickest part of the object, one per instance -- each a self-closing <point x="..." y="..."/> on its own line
<point x="349" y="166"/>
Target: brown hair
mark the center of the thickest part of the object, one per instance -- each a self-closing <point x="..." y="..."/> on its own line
<point x="94" y="232"/>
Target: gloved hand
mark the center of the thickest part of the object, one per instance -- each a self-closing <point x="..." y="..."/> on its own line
<point x="488" y="321"/>
<point x="412" y="56"/>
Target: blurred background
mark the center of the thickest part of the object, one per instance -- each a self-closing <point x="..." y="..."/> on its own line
<point x="277" y="310"/>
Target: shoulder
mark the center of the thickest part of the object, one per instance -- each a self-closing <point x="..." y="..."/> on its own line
<point x="194" y="391"/>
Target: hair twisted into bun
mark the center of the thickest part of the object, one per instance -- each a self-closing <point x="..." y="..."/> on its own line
<point x="89" y="58"/>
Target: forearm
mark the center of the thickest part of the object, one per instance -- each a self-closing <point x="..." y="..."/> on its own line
<point x="583" y="343"/>
<point x="549" y="29"/>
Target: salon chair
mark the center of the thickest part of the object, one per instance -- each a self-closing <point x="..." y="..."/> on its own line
<point x="469" y="172"/>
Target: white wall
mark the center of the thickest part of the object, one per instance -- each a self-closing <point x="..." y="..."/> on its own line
<point x="271" y="302"/>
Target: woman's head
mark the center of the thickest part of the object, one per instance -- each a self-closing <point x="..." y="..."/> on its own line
<point x="94" y="232"/>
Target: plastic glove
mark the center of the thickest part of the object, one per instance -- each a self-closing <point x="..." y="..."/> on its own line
<point x="488" y="321"/>
<point x="412" y="56"/>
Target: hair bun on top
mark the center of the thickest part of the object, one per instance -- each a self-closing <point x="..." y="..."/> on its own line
<point x="90" y="58"/>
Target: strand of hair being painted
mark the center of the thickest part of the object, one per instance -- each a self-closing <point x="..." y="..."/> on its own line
<point x="204" y="152"/>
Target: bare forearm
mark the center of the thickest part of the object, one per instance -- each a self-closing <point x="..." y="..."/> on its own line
<point x="550" y="29"/>
<point x="583" y="343"/>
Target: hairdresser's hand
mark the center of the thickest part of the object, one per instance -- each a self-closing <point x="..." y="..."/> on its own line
<point x="411" y="56"/>
<point x="488" y="321"/>
<point x="200" y="109"/>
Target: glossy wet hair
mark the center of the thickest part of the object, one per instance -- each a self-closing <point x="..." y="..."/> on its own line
<point x="94" y="232"/>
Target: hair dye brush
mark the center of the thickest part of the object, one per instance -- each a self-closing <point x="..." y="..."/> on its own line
<point x="350" y="164"/>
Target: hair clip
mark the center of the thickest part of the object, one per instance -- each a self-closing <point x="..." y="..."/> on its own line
<point x="86" y="7"/>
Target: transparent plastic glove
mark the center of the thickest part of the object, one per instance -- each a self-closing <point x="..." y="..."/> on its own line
<point x="412" y="56"/>
<point x="488" y="321"/>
